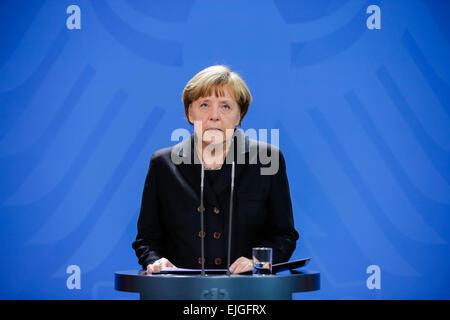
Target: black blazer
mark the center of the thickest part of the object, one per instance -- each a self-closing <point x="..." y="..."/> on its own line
<point x="169" y="219"/>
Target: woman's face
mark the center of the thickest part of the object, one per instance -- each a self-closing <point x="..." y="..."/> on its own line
<point x="214" y="117"/>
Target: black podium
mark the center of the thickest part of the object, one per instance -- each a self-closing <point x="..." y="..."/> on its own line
<point x="216" y="287"/>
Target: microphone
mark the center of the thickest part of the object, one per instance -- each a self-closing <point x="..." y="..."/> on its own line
<point x="202" y="210"/>
<point x="202" y="227"/>
<point x="231" y="219"/>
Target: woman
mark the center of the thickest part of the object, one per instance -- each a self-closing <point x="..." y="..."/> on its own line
<point x="169" y="229"/>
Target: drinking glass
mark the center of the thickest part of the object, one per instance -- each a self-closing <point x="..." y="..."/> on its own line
<point x="262" y="261"/>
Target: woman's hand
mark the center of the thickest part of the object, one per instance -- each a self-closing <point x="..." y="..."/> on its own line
<point x="242" y="264"/>
<point x="158" y="265"/>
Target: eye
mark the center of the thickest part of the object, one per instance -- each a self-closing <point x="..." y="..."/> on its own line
<point x="203" y="105"/>
<point x="227" y="107"/>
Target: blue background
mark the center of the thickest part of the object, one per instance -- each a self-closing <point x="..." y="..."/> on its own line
<point x="364" y="119"/>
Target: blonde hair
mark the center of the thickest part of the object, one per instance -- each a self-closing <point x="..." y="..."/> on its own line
<point x="216" y="78"/>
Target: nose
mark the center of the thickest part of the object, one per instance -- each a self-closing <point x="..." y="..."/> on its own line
<point x="215" y="113"/>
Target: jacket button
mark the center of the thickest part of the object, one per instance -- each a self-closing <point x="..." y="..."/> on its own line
<point x="217" y="235"/>
<point x="201" y="234"/>
<point x="200" y="260"/>
<point x="199" y="209"/>
<point x="216" y="211"/>
<point x="217" y="261"/>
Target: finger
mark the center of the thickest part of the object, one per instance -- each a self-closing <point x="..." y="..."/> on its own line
<point x="168" y="264"/>
<point x="238" y="270"/>
<point x="248" y="266"/>
<point x="235" y="264"/>
<point x="245" y="266"/>
<point x="165" y="265"/>
<point x="149" y="269"/>
<point x="233" y="267"/>
<point x="162" y="263"/>
<point x="240" y="267"/>
<point x="156" y="267"/>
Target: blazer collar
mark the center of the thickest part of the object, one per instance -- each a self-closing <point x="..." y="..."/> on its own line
<point x="190" y="166"/>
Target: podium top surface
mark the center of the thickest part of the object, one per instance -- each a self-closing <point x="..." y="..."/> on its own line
<point x="174" y="285"/>
<point x="140" y="274"/>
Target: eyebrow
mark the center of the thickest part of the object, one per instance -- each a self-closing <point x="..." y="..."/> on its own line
<point x="220" y="99"/>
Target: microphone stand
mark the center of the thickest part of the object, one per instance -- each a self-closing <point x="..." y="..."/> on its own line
<point x="231" y="219"/>
<point x="202" y="209"/>
<point x="202" y="228"/>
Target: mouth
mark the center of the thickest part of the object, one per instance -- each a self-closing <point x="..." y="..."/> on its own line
<point x="213" y="129"/>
